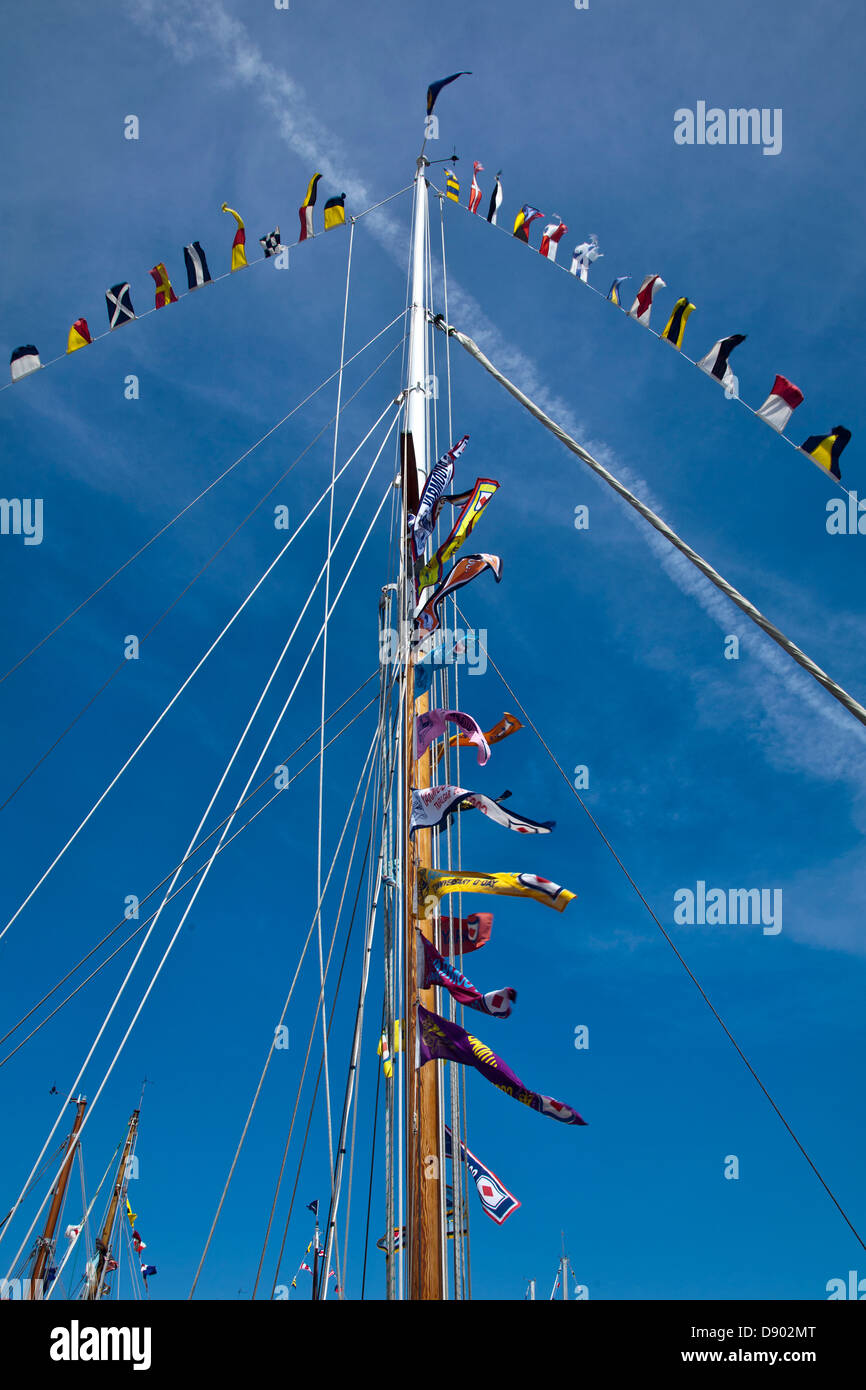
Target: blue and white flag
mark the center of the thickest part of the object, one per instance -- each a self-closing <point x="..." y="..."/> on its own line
<point x="422" y="524"/>
<point x="496" y="1200"/>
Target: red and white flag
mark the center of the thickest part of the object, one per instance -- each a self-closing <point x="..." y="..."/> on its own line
<point x="475" y="191"/>
<point x="780" y="404"/>
<point x="550" y="239"/>
<point x="642" y="307"/>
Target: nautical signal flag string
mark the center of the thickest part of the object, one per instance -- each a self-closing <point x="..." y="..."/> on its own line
<point x="138" y="1245"/>
<point x="784" y="396"/>
<point x="118" y="298"/>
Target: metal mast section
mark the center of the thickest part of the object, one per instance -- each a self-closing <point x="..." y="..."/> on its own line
<point x="425" y="1167"/>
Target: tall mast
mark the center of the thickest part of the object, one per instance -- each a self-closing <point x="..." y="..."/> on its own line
<point x="103" y="1242"/>
<point x="424" y="1161"/>
<point x="46" y="1241"/>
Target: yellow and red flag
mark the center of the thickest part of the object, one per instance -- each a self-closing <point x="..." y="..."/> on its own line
<point x="239" y="254"/>
<point x="164" y="292"/>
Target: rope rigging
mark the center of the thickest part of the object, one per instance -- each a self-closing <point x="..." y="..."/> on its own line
<point x="168" y="525"/>
<point x="384" y="871"/>
<point x="234" y="755"/>
<point x="282" y="1019"/>
<point x="267" y="781"/>
<point x="198" y="667"/>
<point x="675" y="950"/>
<point x="176" y="600"/>
<point x="215" y="279"/>
<point x="443" y="199"/>
<point x="745" y="606"/>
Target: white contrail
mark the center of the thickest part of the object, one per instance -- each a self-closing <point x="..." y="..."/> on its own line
<point x="831" y="747"/>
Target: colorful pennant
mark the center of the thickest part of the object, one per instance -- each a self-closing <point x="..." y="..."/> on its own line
<point x="434" y="884"/>
<point x="474" y="503"/>
<point x="463" y="573"/>
<point x="239" y="254"/>
<point x="439" y="1038"/>
<point x="495" y="1198"/>
<point x="431" y="726"/>
<point x="431" y="807"/>
<point x="436" y="970"/>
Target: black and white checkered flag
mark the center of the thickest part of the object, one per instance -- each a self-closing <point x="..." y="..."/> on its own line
<point x="271" y="243"/>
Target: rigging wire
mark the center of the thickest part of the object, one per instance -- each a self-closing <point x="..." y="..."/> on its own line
<point x="320" y="1005"/>
<point x="352" y="1079"/>
<point x="194" y="580"/>
<point x="369" y="907"/>
<point x="372" y="1167"/>
<point x="167" y="526"/>
<point x="55" y="1154"/>
<point x="320" y="817"/>
<point x="319" y="1075"/>
<point x="677" y="953"/>
<point x="281" y="1021"/>
<point x="140" y="928"/>
<point x="194" y="671"/>
<point x="210" y="862"/>
<point x="809" y="666"/>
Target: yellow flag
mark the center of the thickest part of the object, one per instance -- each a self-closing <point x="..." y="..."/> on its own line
<point x="79" y="336"/>
<point x="434" y="884"/>
<point x="474" y="504"/>
<point x="384" y="1051"/>
<point x="239" y="254"/>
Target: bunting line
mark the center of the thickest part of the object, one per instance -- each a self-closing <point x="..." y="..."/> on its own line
<point x="184" y="294"/>
<point x="798" y="449"/>
<point x="754" y="614"/>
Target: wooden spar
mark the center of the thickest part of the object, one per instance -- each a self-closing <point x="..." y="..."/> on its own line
<point x="103" y="1242"/>
<point x="46" y="1243"/>
<point x="424" y="1162"/>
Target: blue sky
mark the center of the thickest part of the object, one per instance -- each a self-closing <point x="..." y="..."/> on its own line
<point x="740" y="773"/>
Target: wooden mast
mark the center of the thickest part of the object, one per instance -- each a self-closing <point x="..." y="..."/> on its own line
<point x="46" y="1242"/>
<point x="104" y="1239"/>
<point x="424" y="1162"/>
